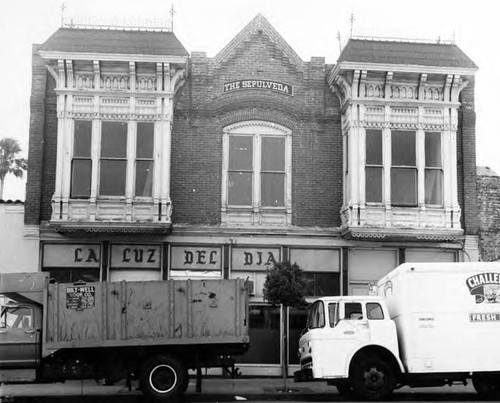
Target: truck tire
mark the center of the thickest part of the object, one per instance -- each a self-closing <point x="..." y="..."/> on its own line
<point x="372" y="378"/>
<point x="486" y="386"/>
<point x="163" y="378"/>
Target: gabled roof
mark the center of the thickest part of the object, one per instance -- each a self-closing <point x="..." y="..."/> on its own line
<point x="405" y="53"/>
<point x="112" y="41"/>
<point x="259" y="23"/>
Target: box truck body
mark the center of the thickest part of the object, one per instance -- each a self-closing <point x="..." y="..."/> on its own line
<point x="430" y="324"/>
<point x="155" y="331"/>
<point x="447" y="315"/>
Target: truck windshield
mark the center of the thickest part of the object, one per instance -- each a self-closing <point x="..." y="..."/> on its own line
<point x="316" y="315"/>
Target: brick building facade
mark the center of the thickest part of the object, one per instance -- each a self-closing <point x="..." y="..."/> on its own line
<point x="148" y="163"/>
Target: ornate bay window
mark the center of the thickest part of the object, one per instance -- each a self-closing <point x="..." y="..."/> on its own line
<point x="399" y="126"/>
<point x="113" y="140"/>
<point x="256" y="174"/>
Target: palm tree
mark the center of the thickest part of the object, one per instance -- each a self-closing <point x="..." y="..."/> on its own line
<point x="9" y="162"/>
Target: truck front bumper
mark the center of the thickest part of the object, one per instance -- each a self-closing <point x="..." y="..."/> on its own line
<point x="303" y="375"/>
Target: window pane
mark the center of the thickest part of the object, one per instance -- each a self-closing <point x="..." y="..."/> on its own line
<point x="112" y="181"/>
<point x="374" y="311"/>
<point x="374" y="147"/>
<point x="145" y="140"/>
<point x="433" y="186"/>
<point x="433" y="150"/>
<point x="83" y="138"/>
<point x="353" y="311"/>
<point x="114" y="140"/>
<point x="264" y="330"/>
<point x="240" y="189"/>
<point x="144" y="178"/>
<point x="403" y="186"/>
<point x="81" y="174"/>
<point x="273" y="154"/>
<point x="322" y="284"/>
<point x="273" y="190"/>
<point x="403" y="148"/>
<point x="373" y="184"/>
<point x="240" y="153"/>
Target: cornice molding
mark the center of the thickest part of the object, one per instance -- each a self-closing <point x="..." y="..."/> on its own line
<point x="114" y="57"/>
<point x="401" y="68"/>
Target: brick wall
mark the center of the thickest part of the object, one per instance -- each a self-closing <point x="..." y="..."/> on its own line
<point x="203" y="110"/>
<point x="36" y="139"/>
<point x="42" y="143"/>
<point x="466" y="160"/>
<point x="488" y="198"/>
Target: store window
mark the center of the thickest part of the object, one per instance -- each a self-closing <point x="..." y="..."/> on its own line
<point x="321" y="268"/>
<point x="256" y="174"/>
<point x="69" y="263"/>
<point x="264" y="331"/>
<point x="404" y="168"/>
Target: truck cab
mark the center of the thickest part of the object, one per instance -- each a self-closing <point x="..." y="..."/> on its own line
<point x="343" y="332"/>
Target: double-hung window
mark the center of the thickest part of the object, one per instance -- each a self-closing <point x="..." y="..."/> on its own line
<point x="144" y="162"/>
<point x="374" y="166"/>
<point x="433" y="169"/>
<point x="256" y="174"/>
<point x="113" y="162"/>
<point x="404" y="168"/>
<point x="81" y="165"/>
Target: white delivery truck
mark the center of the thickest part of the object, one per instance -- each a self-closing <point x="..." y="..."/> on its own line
<point x="430" y="324"/>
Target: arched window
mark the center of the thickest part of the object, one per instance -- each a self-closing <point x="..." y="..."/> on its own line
<point x="256" y="174"/>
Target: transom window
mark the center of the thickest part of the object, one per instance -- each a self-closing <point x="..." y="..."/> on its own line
<point x="121" y="169"/>
<point x="256" y="171"/>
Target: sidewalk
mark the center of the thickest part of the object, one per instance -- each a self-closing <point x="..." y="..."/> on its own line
<point x="213" y="389"/>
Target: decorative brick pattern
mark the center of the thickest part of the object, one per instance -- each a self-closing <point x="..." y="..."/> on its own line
<point x="203" y="110"/>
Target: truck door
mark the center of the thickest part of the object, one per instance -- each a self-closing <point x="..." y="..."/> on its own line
<point x="19" y="336"/>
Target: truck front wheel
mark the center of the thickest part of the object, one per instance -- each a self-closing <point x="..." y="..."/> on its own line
<point x="163" y="378"/>
<point x="372" y="378"/>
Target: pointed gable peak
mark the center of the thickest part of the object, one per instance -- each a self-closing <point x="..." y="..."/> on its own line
<point x="260" y="25"/>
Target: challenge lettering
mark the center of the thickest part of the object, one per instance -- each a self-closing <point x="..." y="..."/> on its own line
<point x="482" y="279"/>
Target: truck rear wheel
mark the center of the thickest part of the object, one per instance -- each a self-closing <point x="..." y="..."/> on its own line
<point x="163" y="378"/>
<point x="372" y="378"/>
<point x="486" y="385"/>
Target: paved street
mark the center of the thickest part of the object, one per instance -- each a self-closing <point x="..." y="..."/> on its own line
<point x="220" y="390"/>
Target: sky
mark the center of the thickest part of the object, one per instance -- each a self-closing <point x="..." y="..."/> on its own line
<point x="310" y="27"/>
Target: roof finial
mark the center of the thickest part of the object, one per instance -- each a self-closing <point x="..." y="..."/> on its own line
<point x="340" y="44"/>
<point x="172" y="13"/>
<point x="352" y="22"/>
<point x="63" y="7"/>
